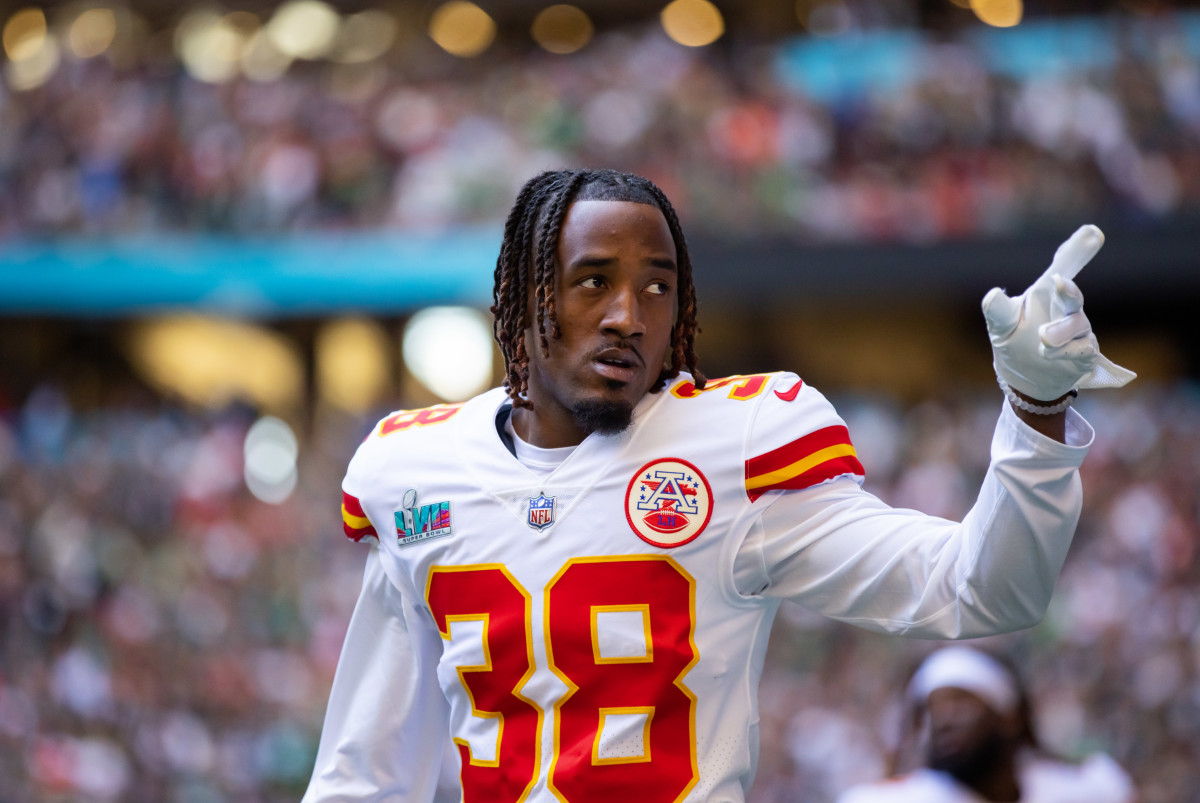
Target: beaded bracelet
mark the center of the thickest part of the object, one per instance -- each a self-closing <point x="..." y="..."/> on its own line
<point x="1036" y="409"/>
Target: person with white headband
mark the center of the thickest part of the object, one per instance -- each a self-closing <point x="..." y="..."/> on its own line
<point x="979" y="743"/>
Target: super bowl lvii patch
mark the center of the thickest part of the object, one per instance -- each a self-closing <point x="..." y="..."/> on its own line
<point x="415" y="523"/>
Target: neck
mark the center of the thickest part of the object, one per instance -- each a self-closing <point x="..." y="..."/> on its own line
<point x="997" y="782"/>
<point x="532" y="427"/>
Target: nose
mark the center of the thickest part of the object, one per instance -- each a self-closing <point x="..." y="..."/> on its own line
<point x="623" y="314"/>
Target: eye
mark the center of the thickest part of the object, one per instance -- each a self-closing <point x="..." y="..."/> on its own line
<point x="592" y="283"/>
<point x="659" y="288"/>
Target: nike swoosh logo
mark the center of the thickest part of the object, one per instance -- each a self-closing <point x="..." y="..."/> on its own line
<point x="790" y="395"/>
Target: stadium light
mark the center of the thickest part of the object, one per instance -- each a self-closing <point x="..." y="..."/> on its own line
<point x="449" y="350"/>
<point x="562" y="29"/>
<point x="210" y="45"/>
<point x="269" y="468"/>
<point x="693" y="23"/>
<point x="92" y="32"/>
<point x="32" y="50"/>
<point x="214" y="361"/>
<point x="998" y="13"/>
<point x="304" y="29"/>
<point x="364" y="36"/>
<point x="352" y="363"/>
<point x="261" y="60"/>
<point x="24" y="33"/>
<point x="34" y="70"/>
<point x="462" y="29"/>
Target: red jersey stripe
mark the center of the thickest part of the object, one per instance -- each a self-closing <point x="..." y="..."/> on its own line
<point x="815" y="476"/>
<point x="804" y="462"/>
<point x="798" y="449"/>
<point x="355" y="523"/>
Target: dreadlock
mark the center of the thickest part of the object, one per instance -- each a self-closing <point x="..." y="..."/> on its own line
<point x="528" y="256"/>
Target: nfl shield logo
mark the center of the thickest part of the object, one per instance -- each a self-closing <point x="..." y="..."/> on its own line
<point x="541" y="511"/>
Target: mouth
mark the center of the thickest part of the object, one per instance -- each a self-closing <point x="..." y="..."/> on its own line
<point x="617" y="364"/>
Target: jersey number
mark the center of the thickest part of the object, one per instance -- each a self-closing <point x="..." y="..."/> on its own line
<point x="405" y="419"/>
<point x="626" y="726"/>
<point x="741" y="388"/>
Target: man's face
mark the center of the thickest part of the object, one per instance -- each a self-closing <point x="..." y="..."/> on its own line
<point x="615" y="290"/>
<point x="965" y="735"/>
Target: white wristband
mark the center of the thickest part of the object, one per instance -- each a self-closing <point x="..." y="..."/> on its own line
<point x="1036" y="409"/>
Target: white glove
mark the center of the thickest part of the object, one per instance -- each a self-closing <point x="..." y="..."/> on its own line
<point x="1042" y="343"/>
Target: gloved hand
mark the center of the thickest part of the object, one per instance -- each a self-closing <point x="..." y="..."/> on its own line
<point x="1042" y="343"/>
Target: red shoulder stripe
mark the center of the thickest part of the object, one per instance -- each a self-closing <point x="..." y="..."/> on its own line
<point x="806" y="461"/>
<point x="355" y="523"/>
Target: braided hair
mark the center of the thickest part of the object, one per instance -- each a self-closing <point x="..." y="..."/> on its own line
<point x="528" y="256"/>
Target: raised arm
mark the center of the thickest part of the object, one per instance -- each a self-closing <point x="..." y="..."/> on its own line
<point x="841" y="551"/>
<point x="1042" y="342"/>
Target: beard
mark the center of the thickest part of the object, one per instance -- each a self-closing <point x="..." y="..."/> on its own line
<point x="602" y="416"/>
<point x="972" y="764"/>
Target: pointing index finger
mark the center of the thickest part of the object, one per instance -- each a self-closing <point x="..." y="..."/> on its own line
<point x="1075" y="252"/>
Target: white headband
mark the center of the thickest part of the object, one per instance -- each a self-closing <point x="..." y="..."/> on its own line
<point x="968" y="669"/>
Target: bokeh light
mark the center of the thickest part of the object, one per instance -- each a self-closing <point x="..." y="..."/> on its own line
<point x="36" y="66"/>
<point x="562" y="29"/>
<point x="210" y="45"/>
<point x="24" y="33"/>
<point x="353" y="366"/>
<point x="449" y="350"/>
<point x="694" y="23"/>
<point x="213" y="362"/>
<point x="261" y="60"/>
<point x="304" y="29"/>
<point x="365" y="36"/>
<point x="92" y="32"/>
<point x="462" y="29"/>
<point x="270" y="452"/>
<point x="998" y="13"/>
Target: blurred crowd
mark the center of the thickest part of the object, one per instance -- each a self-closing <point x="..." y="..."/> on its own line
<point x="163" y="634"/>
<point x="166" y="636"/>
<point x="738" y="139"/>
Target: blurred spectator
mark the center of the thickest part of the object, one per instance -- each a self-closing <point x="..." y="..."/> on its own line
<point x="976" y="722"/>
<point x="949" y="140"/>
<point x="165" y="635"/>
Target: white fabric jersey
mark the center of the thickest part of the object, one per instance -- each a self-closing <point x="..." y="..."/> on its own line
<point x="599" y="634"/>
<point x="1099" y="779"/>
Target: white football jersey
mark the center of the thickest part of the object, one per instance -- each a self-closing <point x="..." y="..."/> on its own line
<point x="1099" y="779"/>
<point x="599" y="633"/>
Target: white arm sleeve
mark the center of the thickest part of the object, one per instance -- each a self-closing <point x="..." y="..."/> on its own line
<point x="842" y="552"/>
<point x="387" y="718"/>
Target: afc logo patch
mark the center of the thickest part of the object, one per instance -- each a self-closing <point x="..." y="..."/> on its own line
<point x="668" y="502"/>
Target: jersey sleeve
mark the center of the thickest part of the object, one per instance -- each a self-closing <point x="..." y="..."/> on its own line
<point x="796" y="441"/>
<point x="381" y="738"/>
<point x="355" y="523"/>
<point x="836" y="549"/>
<point x="1106" y="780"/>
<point x="361" y="479"/>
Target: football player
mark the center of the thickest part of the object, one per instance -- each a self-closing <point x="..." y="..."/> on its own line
<point x="574" y="575"/>
<point x="980" y="743"/>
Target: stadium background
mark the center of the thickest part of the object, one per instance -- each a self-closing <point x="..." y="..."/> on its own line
<point x="218" y="225"/>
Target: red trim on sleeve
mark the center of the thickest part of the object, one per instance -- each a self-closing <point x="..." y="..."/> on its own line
<point x="355" y="523"/>
<point x="807" y="461"/>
